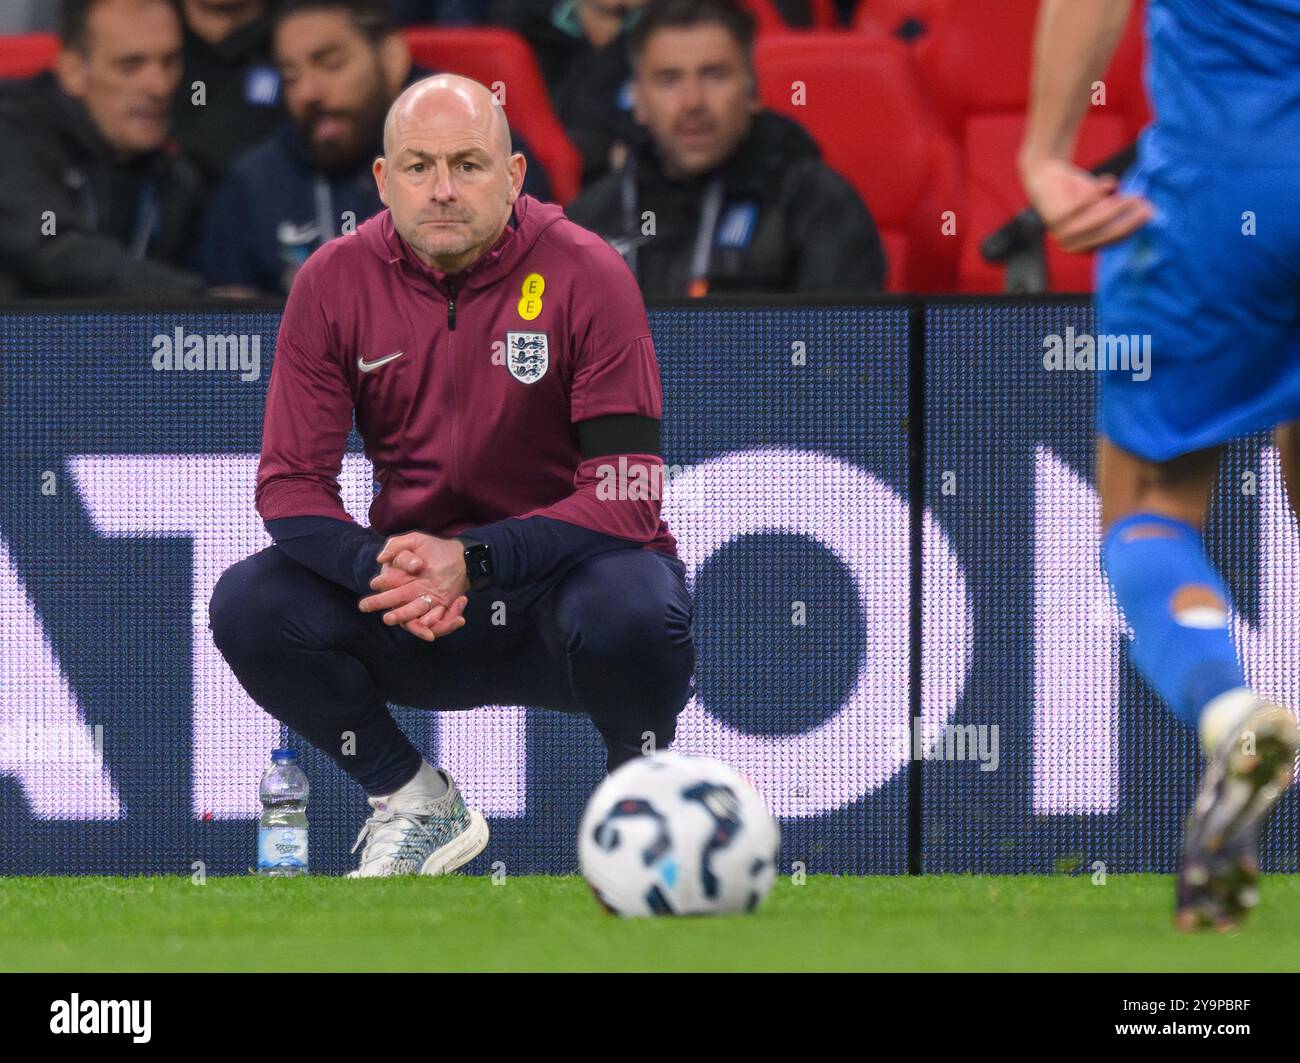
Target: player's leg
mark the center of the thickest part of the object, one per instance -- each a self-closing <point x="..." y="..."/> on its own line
<point x="618" y="628"/>
<point x="306" y="655"/>
<point x="1153" y="514"/>
<point x="1221" y="362"/>
<point x="1178" y="608"/>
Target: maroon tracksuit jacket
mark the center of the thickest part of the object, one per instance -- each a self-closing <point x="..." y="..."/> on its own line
<point x="466" y="387"/>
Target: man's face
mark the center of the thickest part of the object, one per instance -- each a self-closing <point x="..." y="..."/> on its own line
<point x="449" y="180"/>
<point x="694" y="92"/>
<point x="336" y="87"/>
<point x="127" y="72"/>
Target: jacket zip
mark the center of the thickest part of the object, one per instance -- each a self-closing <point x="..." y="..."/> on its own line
<point x="455" y="391"/>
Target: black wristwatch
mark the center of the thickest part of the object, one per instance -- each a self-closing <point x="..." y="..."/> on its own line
<point x="478" y="563"/>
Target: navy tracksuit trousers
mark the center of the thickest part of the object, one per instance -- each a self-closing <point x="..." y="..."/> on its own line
<point x="610" y="638"/>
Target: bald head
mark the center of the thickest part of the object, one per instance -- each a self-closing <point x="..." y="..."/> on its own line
<point x="448" y="99"/>
<point x="447" y="174"/>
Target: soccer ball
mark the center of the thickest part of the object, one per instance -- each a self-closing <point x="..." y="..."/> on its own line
<point x="670" y="834"/>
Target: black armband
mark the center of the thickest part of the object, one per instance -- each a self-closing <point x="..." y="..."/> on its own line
<point x="619" y="433"/>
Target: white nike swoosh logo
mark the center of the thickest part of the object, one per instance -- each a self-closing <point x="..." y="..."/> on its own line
<point x="366" y="367"/>
<point x="288" y="233"/>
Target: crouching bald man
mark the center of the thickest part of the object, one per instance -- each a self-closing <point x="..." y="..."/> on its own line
<point x="496" y="356"/>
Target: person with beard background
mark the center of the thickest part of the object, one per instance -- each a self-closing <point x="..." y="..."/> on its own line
<point x="342" y="63"/>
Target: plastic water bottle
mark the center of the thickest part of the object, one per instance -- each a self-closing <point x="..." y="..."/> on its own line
<point x="282" y="830"/>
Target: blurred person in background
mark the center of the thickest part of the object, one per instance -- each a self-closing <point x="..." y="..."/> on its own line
<point x="342" y="62"/>
<point x="740" y="199"/>
<point x="94" y="201"/>
<point x="581" y="47"/>
<point x="229" y="96"/>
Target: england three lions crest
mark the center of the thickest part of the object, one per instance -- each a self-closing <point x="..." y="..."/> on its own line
<point x="527" y="356"/>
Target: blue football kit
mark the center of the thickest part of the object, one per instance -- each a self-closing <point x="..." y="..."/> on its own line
<point x="1214" y="278"/>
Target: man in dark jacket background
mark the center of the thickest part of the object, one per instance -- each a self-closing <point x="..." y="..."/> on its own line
<point x="342" y="63"/>
<point x="720" y="195"/>
<point x="581" y="48"/>
<point x="92" y="201"/>
<point x="229" y="96"/>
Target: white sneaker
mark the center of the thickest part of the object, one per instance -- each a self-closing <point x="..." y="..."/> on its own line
<point x="420" y="835"/>
<point x="1254" y="763"/>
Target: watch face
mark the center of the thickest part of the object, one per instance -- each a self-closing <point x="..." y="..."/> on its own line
<point x="478" y="566"/>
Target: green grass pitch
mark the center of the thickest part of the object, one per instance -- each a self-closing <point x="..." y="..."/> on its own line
<point x="545" y="923"/>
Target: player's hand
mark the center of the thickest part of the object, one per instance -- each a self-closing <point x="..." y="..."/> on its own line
<point x="417" y="568"/>
<point x="1081" y="210"/>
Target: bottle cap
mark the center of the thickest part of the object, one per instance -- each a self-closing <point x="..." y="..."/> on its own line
<point x="284" y="754"/>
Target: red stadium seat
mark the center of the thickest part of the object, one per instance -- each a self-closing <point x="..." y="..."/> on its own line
<point x="21" y="57"/>
<point x="500" y="56"/>
<point x="976" y="64"/>
<point x="889" y="16"/>
<point x="824" y="15"/>
<point x="865" y="109"/>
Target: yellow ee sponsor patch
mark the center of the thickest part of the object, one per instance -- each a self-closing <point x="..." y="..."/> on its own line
<point x="530" y="299"/>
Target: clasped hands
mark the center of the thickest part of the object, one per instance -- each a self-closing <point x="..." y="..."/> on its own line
<point x="415" y="565"/>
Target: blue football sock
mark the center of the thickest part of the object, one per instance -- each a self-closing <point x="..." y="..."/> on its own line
<point x="1189" y="657"/>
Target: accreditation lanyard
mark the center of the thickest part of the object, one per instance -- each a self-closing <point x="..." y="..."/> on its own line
<point x="324" y="211"/>
<point x="146" y="221"/>
<point x="701" y="253"/>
